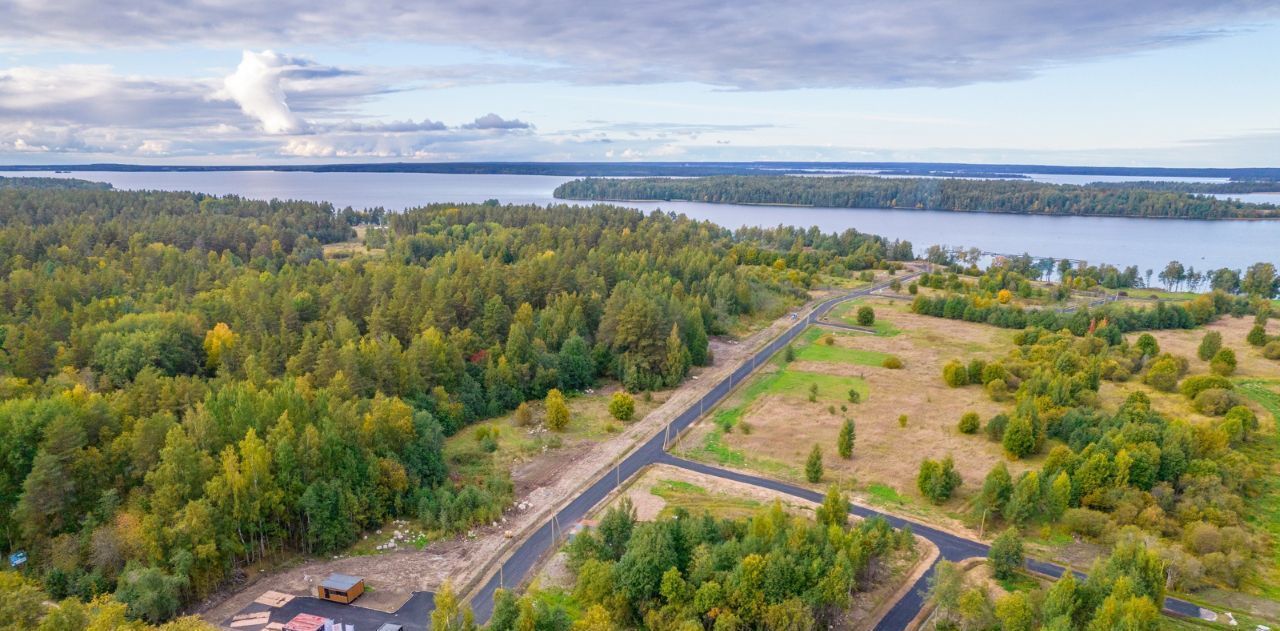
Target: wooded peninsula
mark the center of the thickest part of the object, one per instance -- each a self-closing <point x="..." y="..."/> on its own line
<point x="997" y="196"/>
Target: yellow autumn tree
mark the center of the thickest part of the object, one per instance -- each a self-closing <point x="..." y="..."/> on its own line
<point x="216" y="341"/>
<point x="1004" y="296"/>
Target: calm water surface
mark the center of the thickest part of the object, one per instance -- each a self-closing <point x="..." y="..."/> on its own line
<point x="1147" y="243"/>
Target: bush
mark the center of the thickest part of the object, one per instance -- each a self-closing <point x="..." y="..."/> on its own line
<point x="1019" y="438"/>
<point x="1257" y="336"/>
<point x="1163" y="375"/>
<point x="557" y="411"/>
<point x="622" y="406"/>
<point x="1192" y="386"/>
<point x="828" y="340"/>
<point x="913" y="289"/>
<point x="789" y="354"/>
<point x="1209" y="346"/>
<point x="892" y="362"/>
<point x="1006" y="555"/>
<point x="524" y="416"/>
<point x="1148" y="345"/>
<point x="997" y="390"/>
<point x="955" y="374"/>
<point x="866" y="315"/>
<point x="854" y="395"/>
<point x="969" y="423"/>
<point x="1087" y="522"/>
<point x="1271" y="350"/>
<point x="1215" y="401"/>
<point x="938" y="480"/>
<point x="902" y="420"/>
<point x="1224" y="363"/>
<point x="996" y="426"/>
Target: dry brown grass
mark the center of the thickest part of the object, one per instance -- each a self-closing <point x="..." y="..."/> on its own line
<point x="784" y="426"/>
<point x="1250" y="362"/>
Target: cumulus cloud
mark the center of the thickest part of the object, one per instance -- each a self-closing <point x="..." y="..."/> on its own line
<point x="256" y="87"/>
<point x="747" y="44"/>
<point x="493" y="121"/>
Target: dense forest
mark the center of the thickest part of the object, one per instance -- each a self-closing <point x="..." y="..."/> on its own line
<point x="1000" y="196"/>
<point x="771" y="571"/>
<point x="51" y="182"/>
<point x="190" y="384"/>
<point x="1196" y="188"/>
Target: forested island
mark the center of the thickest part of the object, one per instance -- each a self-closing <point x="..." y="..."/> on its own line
<point x="988" y="195"/>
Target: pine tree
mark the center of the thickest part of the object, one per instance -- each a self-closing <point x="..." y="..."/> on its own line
<point x="834" y="510"/>
<point x="813" y="467"/>
<point x="848" y="434"/>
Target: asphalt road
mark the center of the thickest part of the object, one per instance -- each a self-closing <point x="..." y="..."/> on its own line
<point x="521" y="564"/>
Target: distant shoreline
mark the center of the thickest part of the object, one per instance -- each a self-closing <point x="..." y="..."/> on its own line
<point x="912" y="208"/>
<point x="636" y="169"/>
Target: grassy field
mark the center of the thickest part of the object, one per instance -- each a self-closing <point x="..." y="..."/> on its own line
<point x="698" y="500"/>
<point x="770" y="424"/>
<point x="495" y="445"/>
<point x="1265" y="509"/>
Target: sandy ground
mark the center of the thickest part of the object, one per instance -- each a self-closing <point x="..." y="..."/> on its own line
<point x="785" y="427"/>
<point x="542" y="484"/>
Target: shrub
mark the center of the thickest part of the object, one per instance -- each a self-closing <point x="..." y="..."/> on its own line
<point x="1271" y="350"/>
<point x="789" y="353"/>
<point x="1148" y="345"/>
<point x="1224" y="363"/>
<point x="1163" y="375"/>
<point x="622" y="406"/>
<point x="955" y="374"/>
<point x="902" y="420"/>
<point x="557" y="411"/>
<point x="828" y="340"/>
<point x="938" y="480"/>
<point x="866" y="315"/>
<point x="1247" y="419"/>
<point x="996" y="426"/>
<point x="1005" y="554"/>
<point x="997" y="390"/>
<point x="1215" y="401"/>
<point x="813" y="392"/>
<point x="1019" y="438"/>
<point x="1192" y="386"/>
<point x="913" y="289"/>
<point x="524" y="416"/>
<point x="892" y="362"/>
<point x="1257" y="336"/>
<point x="1209" y="346"/>
<point x="854" y="395"/>
<point x="969" y="423"/>
<point x="1087" y="522"/>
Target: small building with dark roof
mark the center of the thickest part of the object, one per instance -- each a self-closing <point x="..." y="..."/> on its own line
<point x="340" y="588"/>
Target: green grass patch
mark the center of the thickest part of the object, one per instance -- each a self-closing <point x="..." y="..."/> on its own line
<point x="1264" y="510"/>
<point x="698" y="500"/>
<point x="847" y="312"/>
<point x="1019" y="583"/>
<point x="884" y="495"/>
<point x="819" y="352"/>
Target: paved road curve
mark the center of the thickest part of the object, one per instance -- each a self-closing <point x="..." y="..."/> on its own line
<point x="522" y="562"/>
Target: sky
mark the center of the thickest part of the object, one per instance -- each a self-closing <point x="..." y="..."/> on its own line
<point x="1089" y="82"/>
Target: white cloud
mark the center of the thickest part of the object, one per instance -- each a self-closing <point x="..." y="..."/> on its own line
<point x="256" y="87"/>
<point x="493" y="121"/>
<point x="747" y="44"/>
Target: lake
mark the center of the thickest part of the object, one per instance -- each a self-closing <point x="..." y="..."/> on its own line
<point x="1147" y="243"/>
